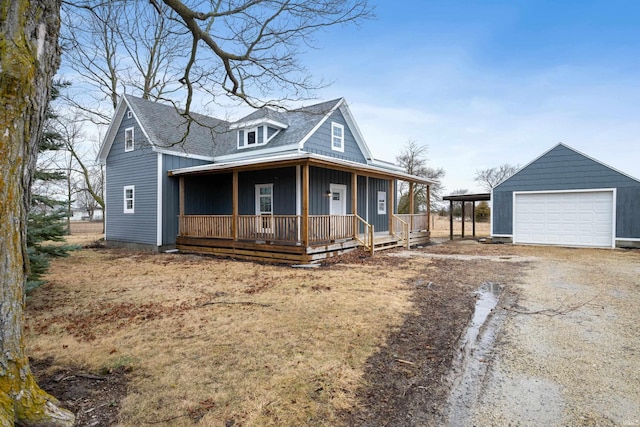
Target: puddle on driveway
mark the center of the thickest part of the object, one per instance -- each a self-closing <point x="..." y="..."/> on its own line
<point x="471" y="365"/>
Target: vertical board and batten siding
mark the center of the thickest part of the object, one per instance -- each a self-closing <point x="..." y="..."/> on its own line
<point x="319" y="181"/>
<point x="380" y="221"/>
<point x="171" y="195"/>
<point x="284" y="190"/>
<point x="320" y="141"/>
<point x="563" y="169"/>
<point x="138" y="167"/>
<point x="208" y="194"/>
<point x="362" y="200"/>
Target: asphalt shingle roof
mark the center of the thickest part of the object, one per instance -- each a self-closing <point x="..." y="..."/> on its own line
<point x="208" y="136"/>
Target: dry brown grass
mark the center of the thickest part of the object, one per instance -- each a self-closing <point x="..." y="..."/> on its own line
<point x="440" y="227"/>
<point x="219" y="340"/>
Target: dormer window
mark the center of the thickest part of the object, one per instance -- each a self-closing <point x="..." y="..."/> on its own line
<point x="337" y="137"/>
<point x="251" y="137"/>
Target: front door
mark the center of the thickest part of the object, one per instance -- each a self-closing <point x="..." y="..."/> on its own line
<point x="338" y="204"/>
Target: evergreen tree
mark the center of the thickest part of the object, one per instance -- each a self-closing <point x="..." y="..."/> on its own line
<point x="46" y="227"/>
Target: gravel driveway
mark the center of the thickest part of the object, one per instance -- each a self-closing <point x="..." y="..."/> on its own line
<point x="568" y="350"/>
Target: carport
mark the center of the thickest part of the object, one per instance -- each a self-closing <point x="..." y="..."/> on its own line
<point x="465" y="198"/>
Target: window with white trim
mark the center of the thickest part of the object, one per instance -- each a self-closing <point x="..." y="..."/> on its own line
<point x="128" y="139"/>
<point x="382" y="202"/>
<point x="264" y="205"/>
<point x="129" y="114"/>
<point x="129" y="198"/>
<point x="337" y="137"/>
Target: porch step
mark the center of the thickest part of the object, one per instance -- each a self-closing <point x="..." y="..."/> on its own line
<point x="381" y="243"/>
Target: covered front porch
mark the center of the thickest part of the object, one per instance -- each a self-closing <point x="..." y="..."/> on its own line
<point x="309" y="186"/>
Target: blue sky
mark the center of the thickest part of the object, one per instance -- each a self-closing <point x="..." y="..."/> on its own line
<point x="483" y="83"/>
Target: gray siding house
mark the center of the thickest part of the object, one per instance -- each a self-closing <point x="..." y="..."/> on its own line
<point x="286" y="186"/>
<point x="567" y="198"/>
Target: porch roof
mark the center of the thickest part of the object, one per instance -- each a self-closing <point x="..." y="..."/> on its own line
<point x="294" y="159"/>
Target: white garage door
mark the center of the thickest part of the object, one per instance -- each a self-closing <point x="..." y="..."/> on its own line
<point x="571" y="219"/>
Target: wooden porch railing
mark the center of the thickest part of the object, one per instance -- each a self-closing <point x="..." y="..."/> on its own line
<point x="420" y="221"/>
<point x="324" y="228"/>
<point x="218" y="226"/>
<point x="401" y="229"/>
<point x="366" y="238"/>
<point x="287" y="228"/>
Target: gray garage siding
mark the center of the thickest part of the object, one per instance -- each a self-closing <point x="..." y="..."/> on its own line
<point x="562" y="168"/>
<point x="140" y="168"/>
<point x="320" y="141"/>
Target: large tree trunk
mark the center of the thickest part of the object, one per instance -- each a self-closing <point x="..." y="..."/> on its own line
<point x="29" y="57"/>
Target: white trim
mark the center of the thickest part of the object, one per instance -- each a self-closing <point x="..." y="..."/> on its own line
<point x="106" y="206"/>
<point x="342" y="189"/>
<point x="256" y="154"/>
<point x="159" y="197"/>
<point x="379" y="199"/>
<point x="320" y="123"/>
<point x="133" y="138"/>
<point x="133" y="199"/>
<point x="613" y="191"/>
<point x="181" y="154"/>
<point x="129" y="114"/>
<point x="258" y="122"/>
<point x="334" y="126"/>
<point x="298" y="195"/>
<point x="502" y="235"/>
<point x="491" y="216"/>
<point x="630" y="239"/>
<point x="299" y="157"/>
<point x="258" y="212"/>
<point x="355" y="130"/>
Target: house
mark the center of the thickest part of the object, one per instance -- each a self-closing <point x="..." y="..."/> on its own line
<point x="287" y="186"/>
<point x="567" y="198"/>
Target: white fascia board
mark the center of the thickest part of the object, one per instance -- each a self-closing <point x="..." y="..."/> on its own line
<point x="110" y="137"/>
<point x="578" y="190"/>
<point x="256" y="153"/>
<point x="159" y="199"/>
<point x="320" y="123"/>
<point x="355" y="130"/>
<point x="182" y="154"/>
<point x="258" y="122"/>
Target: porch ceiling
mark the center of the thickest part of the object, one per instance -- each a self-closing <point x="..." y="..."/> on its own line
<point x="299" y="159"/>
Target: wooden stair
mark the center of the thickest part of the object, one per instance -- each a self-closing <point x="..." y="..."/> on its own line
<point x="387" y="241"/>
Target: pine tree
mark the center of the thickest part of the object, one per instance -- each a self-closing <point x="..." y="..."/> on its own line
<point x="46" y="226"/>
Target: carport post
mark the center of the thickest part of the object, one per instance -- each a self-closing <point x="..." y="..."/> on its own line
<point x="463" y="219"/>
<point x="450" y="219"/>
<point x="473" y="217"/>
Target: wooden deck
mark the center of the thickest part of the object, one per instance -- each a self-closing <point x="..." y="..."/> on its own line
<point x="278" y="238"/>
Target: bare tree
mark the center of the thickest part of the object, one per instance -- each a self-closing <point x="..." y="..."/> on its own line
<point x="413" y="159"/>
<point x="256" y="43"/>
<point x="489" y="178"/>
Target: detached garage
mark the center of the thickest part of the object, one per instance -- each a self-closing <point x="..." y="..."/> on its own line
<point x="567" y="198"/>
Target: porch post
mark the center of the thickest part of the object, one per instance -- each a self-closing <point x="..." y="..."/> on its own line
<point x="411" y="206"/>
<point x="391" y="204"/>
<point x="181" y="195"/>
<point x="354" y="202"/>
<point x="234" y="205"/>
<point x="428" y="207"/>
<point x="305" y="204"/>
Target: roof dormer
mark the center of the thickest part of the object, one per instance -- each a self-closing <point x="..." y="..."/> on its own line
<point x="258" y="128"/>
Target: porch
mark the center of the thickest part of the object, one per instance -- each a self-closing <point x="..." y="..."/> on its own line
<point x="294" y="209"/>
<point x="280" y="238"/>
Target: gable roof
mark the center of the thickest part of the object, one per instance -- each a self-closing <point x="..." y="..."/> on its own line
<point x="166" y="130"/>
<point x="561" y="145"/>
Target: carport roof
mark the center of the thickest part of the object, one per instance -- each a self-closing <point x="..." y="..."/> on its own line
<point x="468" y="197"/>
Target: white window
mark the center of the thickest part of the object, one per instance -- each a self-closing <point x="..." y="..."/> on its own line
<point x="264" y="205"/>
<point x="337" y="137"/>
<point x="128" y="139"/>
<point x="382" y="202"/>
<point x="129" y="114"/>
<point x="129" y="198"/>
